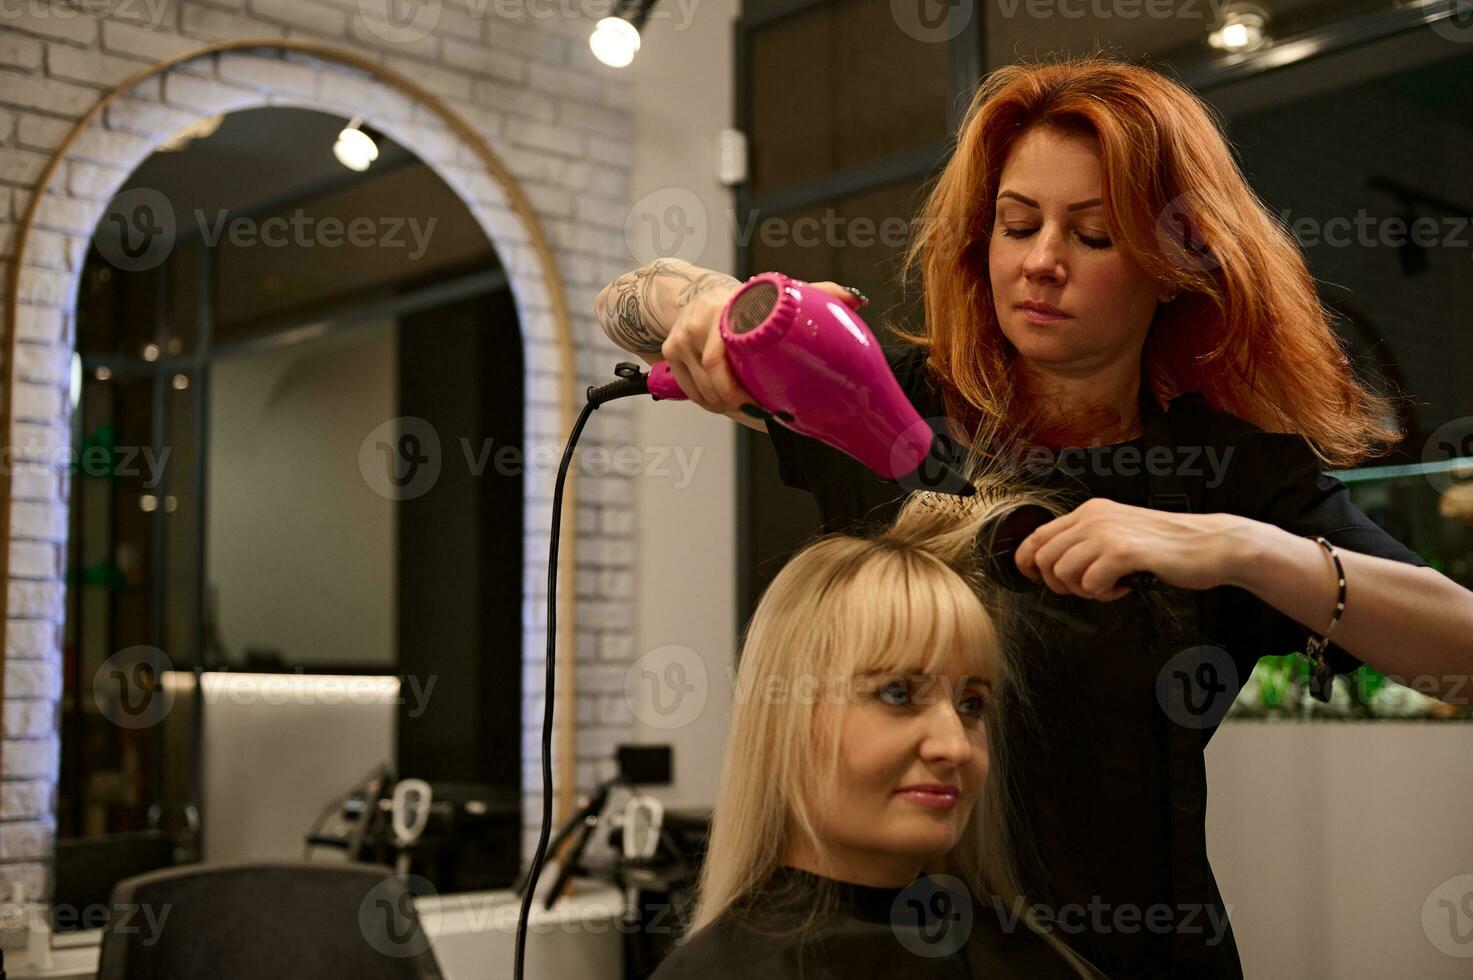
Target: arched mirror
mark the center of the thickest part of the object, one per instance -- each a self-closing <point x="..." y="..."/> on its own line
<point x="295" y="553"/>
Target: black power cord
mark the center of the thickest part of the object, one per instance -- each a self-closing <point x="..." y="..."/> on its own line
<point x="635" y="382"/>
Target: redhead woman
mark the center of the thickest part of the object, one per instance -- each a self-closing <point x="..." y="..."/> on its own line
<point x="1107" y="302"/>
<point x="859" y="829"/>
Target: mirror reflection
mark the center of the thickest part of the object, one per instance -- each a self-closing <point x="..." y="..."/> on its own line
<point x="276" y="392"/>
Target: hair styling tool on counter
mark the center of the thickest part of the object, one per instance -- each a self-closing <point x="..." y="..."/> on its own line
<point x="410" y="811"/>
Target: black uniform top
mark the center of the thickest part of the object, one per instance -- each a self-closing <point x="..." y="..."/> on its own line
<point x="871" y="935"/>
<point x="1096" y="797"/>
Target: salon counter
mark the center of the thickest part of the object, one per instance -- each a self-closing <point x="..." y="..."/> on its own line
<point x="1345" y="848"/>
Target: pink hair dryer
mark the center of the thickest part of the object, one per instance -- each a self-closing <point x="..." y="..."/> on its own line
<point x="815" y="366"/>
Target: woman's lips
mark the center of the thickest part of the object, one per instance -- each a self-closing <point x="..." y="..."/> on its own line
<point x="1041" y="316"/>
<point x="937" y="800"/>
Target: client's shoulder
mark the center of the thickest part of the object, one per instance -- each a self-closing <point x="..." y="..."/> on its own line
<point x="712" y="952"/>
<point x="1002" y="945"/>
<point x="734" y="946"/>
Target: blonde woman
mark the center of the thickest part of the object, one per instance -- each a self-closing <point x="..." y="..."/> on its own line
<point x="862" y="753"/>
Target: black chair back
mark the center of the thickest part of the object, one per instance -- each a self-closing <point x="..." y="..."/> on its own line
<point x="266" y="922"/>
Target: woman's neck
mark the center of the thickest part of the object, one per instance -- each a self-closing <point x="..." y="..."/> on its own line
<point x="1097" y="407"/>
<point x="877" y="870"/>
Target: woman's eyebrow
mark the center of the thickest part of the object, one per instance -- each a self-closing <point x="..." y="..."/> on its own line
<point x="1078" y="206"/>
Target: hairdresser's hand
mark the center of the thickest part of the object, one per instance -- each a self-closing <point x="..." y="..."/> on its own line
<point x="1088" y="550"/>
<point x="697" y="354"/>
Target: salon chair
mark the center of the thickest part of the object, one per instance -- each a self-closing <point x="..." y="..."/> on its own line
<point x="265" y="922"/>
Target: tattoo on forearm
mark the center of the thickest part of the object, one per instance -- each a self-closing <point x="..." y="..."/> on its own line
<point x="704" y="282"/>
<point x="637" y="311"/>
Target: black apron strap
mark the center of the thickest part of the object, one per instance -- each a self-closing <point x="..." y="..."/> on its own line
<point x="1185" y="765"/>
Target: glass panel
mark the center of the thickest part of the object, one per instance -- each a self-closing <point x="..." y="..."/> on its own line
<point x="891" y="89"/>
<point x="182" y="326"/>
<point x="856" y="241"/>
<point x="116" y="308"/>
<point x="383" y="234"/>
<point x="181" y="517"/>
<point x="304" y="410"/>
<point x="1384" y="227"/>
<point x="109" y="767"/>
<point x="840" y="85"/>
<point x="792" y="127"/>
<point x="1429" y="514"/>
<point x="877" y="229"/>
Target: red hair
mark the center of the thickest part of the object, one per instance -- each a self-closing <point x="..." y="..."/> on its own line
<point x="1247" y="330"/>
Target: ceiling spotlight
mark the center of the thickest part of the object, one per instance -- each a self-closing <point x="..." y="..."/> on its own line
<point x="355" y="149"/>
<point x="615" y="39"/>
<point x="1244" y="27"/>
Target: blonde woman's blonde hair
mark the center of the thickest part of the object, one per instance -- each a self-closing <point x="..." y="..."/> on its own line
<point x="903" y="599"/>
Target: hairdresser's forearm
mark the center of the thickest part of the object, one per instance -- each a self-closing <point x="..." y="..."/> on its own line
<point x="638" y="309"/>
<point x="1406" y="621"/>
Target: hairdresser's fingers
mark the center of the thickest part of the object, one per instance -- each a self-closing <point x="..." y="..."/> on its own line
<point x="1048" y="559"/>
<point x="689" y="384"/>
<point x="1081" y="569"/>
<point x="1025" y="563"/>
<point x="1102" y="579"/>
<point x="1046" y="572"/>
<point x="718" y="370"/>
<point x="1026" y="556"/>
<point x="1066" y="568"/>
<point x="851" y="297"/>
<point x="681" y="351"/>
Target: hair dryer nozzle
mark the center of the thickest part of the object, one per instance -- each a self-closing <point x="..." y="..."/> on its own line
<point x="937" y="474"/>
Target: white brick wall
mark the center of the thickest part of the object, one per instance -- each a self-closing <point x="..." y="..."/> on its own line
<point x="558" y="121"/>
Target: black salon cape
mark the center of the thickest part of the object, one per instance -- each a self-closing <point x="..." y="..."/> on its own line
<point x="866" y="938"/>
<point x="1095" y="800"/>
